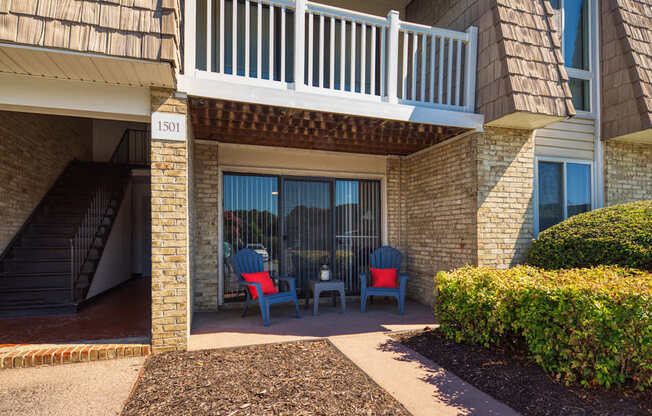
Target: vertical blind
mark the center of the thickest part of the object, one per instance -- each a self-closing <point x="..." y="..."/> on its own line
<point x="357" y="219"/>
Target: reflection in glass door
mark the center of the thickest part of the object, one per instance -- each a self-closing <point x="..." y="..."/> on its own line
<point x="250" y="220"/>
<point x="307" y="228"/>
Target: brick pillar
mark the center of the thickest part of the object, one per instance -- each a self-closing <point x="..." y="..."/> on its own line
<point x="170" y="263"/>
<point x="205" y="189"/>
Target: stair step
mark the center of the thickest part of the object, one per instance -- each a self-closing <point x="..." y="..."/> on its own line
<point x="36" y="266"/>
<point x="26" y="309"/>
<point x="42" y="253"/>
<point x="49" y="228"/>
<point x="37" y="241"/>
<point x="52" y="295"/>
<point x="35" y="281"/>
<point x="44" y="289"/>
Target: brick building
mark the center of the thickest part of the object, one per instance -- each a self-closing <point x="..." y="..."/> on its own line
<point x="134" y="142"/>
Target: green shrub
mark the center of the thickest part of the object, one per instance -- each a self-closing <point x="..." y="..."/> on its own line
<point x="618" y="235"/>
<point x="592" y="326"/>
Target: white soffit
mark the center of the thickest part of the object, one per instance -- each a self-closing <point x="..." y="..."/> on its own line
<point x="74" y="98"/>
<point x="77" y="66"/>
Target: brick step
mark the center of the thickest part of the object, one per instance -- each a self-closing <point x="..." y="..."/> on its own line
<point x="23" y="356"/>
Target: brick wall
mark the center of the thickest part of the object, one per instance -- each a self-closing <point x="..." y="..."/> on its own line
<point x="34" y="150"/>
<point x="396" y="203"/>
<point x="440" y="213"/>
<point x="170" y="216"/>
<point x="505" y="196"/>
<point x="628" y="172"/>
<point x="205" y="190"/>
<point x="465" y="201"/>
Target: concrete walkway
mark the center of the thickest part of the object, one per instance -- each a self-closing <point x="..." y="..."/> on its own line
<point x="423" y="387"/>
<point x="96" y="388"/>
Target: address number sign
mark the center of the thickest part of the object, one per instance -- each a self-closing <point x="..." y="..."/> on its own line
<point x="168" y="126"/>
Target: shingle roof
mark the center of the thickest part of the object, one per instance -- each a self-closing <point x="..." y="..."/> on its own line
<point x="143" y="29"/>
<point x="626" y="67"/>
<point x="520" y="65"/>
<point x="533" y="63"/>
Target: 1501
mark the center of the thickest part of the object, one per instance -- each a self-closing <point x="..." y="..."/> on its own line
<point x="169" y="126"/>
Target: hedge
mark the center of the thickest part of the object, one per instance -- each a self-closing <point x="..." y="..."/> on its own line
<point x="617" y="235"/>
<point x="592" y="326"/>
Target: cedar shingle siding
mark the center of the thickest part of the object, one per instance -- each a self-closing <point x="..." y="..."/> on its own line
<point x="142" y="29"/>
<point x="520" y="65"/>
<point x="626" y="63"/>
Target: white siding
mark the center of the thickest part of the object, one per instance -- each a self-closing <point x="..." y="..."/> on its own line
<point x="574" y="138"/>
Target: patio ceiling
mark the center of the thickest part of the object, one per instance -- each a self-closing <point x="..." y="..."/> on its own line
<point x="257" y="124"/>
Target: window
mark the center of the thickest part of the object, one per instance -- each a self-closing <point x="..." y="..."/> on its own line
<point x="581" y="91"/>
<point x="576" y="34"/>
<point x="563" y="190"/>
<point x="572" y="19"/>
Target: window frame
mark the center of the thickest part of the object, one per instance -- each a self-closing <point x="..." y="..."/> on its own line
<point x="564" y="161"/>
<point x="583" y="74"/>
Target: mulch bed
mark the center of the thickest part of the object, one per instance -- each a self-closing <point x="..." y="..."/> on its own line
<point x="302" y="378"/>
<point x="510" y="377"/>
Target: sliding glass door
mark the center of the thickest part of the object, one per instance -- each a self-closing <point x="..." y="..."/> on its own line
<point x="299" y="224"/>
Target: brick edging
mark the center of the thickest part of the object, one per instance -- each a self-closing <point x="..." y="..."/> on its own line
<point x="24" y="356"/>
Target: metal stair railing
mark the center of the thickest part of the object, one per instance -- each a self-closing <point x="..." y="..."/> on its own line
<point x="133" y="149"/>
<point x="85" y="238"/>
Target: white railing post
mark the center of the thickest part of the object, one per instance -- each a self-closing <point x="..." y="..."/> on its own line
<point x="471" y="71"/>
<point x="392" y="57"/>
<point x="299" y="43"/>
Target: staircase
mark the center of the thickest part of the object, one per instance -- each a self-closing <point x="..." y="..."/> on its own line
<point x="49" y="265"/>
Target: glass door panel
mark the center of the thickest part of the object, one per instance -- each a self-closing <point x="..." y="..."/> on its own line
<point x="307" y="228"/>
<point x="357" y="228"/>
<point x="250" y="220"/>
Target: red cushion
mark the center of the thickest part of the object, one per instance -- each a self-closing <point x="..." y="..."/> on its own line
<point x="383" y="277"/>
<point x="264" y="280"/>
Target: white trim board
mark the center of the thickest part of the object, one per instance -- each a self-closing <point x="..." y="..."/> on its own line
<point x="262" y="93"/>
<point x="300" y="161"/>
<point x="74" y="98"/>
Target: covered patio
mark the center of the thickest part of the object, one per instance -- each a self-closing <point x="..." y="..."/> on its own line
<point x="227" y="329"/>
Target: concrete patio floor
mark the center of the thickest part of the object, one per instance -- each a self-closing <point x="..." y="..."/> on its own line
<point x="226" y="328"/>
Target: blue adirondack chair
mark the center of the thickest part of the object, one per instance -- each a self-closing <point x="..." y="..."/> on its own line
<point x="384" y="258"/>
<point x="248" y="261"/>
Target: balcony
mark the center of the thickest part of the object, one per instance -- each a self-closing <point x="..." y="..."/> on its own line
<point x="331" y="59"/>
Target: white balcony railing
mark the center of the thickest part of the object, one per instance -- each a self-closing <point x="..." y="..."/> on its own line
<point x="332" y="51"/>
